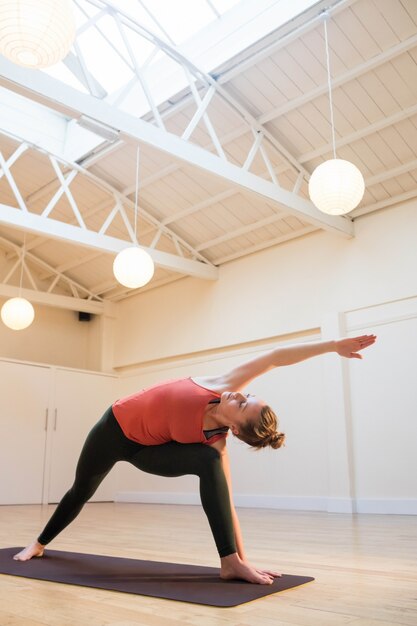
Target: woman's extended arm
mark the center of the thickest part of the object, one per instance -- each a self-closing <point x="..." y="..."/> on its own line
<point x="237" y="378"/>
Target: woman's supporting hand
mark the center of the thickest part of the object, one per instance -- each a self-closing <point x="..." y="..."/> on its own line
<point x="350" y="347"/>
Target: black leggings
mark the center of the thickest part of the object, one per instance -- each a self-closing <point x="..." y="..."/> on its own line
<point x="106" y="444"/>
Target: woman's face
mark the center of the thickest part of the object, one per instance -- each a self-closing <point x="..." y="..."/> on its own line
<point x="239" y="408"/>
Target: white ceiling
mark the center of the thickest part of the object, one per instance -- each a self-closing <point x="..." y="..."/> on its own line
<point x="235" y="182"/>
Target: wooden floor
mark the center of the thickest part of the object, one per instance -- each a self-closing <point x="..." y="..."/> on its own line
<point x="365" y="567"/>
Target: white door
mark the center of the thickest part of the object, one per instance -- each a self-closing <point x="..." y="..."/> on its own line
<point x="24" y="393"/>
<point x="80" y="400"/>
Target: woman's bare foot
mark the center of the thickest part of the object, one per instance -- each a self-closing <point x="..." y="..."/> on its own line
<point x="35" y="549"/>
<point x="233" y="567"/>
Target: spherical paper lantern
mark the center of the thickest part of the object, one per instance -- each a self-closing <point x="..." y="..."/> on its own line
<point x="36" y="33"/>
<point x="336" y="187"/>
<point x="17" y="313"/>
<point x="133" y="267"/>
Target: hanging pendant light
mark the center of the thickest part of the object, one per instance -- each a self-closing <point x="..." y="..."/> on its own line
<point x="336" y="186"/>
<point x="133" y="267"/>
<point x="36" y="33"/>
<point x="18" y="313"/>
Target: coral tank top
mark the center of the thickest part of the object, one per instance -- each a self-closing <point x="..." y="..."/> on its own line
<point x="169" y="411"/>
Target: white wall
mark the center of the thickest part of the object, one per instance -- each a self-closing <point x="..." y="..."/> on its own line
<point x="283" y="289"/>
<point x="350" y="426"/>
<point x="55" y="337"/>
<point x="331" y="411"/>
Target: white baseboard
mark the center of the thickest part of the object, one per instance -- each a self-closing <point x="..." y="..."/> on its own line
<point x="289" y="503"/>
<point x="385" y="506"/>
<point x="157" y="497"/>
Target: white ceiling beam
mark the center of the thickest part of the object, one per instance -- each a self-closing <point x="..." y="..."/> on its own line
<point x="174" y="167"/>
<point x="339" y="81"/>
<point x="204" y="204"/>
<point x="295" y="234"/>
<point x="154" y="284"/>
<point x="89" y="239"/>
<point x="104" y="287"/>
<point x="60" y="97"/>
<point x="223" y="195"/>
<point x="70" y="265"/>
<point x="285" y="35"/>
<point x="43" y="191"/>
<point x="241" y="231"/>
<point x="360" y="134"/>
<point x="404" y="168"/>
<point x="39" y="241"/>
<point x="49" y="299"/>
<point x="113" y="291"/>
<point x="97" y="154"/>
<point x="384" y="204"/>
<point x="148" y="180"/>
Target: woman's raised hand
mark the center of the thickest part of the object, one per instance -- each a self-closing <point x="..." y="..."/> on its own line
<point x="350" y="347"/>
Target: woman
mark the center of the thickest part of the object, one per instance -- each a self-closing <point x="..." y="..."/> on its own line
<point x="180" y="427"/>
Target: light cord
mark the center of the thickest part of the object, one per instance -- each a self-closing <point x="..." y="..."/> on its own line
<point x="136" y="195"/>
<point x="329" y="82"/>
<point x="21" y="265"/>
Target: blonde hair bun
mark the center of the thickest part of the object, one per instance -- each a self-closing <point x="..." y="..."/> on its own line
<point x="277" y="440"/>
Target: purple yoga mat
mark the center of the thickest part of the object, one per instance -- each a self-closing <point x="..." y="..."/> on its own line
<point x="172" y="581"/>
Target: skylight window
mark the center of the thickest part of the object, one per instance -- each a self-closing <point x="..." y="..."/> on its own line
<point x="105" y="54"/>
<point x="140" y="54"/>
<point x="175" y="20"/>
<point x="113" y="58"/>
<point x="183" y="18"/>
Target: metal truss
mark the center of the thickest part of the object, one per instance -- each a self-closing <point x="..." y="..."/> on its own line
<point x="108" y="110"/>
<point x="62" y="291"/>
<point x="272" y="115"/>
<point x="51" y="223"/>
<point x="198" y="81"/>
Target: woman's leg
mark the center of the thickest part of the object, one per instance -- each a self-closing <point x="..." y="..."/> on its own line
<point x="176" y="459"/>
<point x="104" y="446"/>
